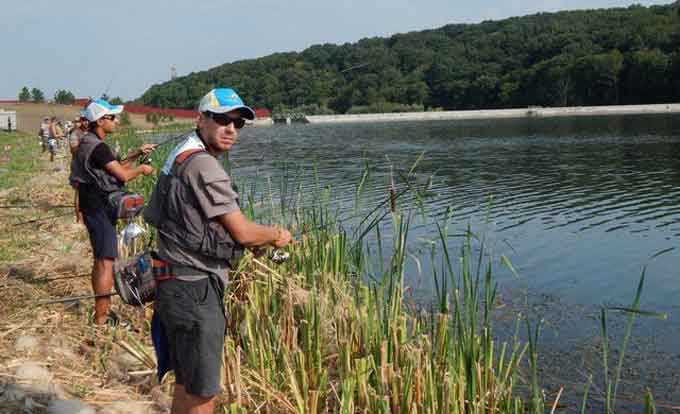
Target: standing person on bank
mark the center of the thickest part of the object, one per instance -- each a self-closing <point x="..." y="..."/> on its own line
<point x="55" y="134"/>
<point x="95" y="173"/>
<point x="79" y="130"/>
<point x="201" y="235"/>
<point x="44" y="133"/>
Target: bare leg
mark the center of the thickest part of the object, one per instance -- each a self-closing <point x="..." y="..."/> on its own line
<point x="184" y="403"/>
<point x="178" y="400"/>
<point x="102" y="283"/>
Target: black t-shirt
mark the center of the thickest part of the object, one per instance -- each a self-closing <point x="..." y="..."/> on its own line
<point x="90" y="198"/>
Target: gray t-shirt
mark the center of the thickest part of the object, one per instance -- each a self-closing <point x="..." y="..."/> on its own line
<point x="74" y="137"/>
<point x="215" y="195"/>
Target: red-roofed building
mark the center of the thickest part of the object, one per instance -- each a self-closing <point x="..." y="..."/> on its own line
<point x="262" y="113"/>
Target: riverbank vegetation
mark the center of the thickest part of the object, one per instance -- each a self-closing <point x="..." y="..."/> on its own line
<point x="572" y="58"/>
<point x="312" y="335"/>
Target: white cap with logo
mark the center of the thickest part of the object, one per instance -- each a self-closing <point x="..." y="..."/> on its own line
<point x="99" y="108"/>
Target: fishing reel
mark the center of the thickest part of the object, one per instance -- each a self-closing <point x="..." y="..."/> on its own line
<point x="279" y="256"/>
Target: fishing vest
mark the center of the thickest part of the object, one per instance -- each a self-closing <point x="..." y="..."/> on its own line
<point x="83" y="173"/>
<point x="175" y="212"/>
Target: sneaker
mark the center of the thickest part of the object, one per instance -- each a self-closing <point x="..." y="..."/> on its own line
<point x="112" y="321"/>
<point x="115" y="321"/>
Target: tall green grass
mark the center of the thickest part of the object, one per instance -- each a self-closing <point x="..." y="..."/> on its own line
<point x="18" y="157"/>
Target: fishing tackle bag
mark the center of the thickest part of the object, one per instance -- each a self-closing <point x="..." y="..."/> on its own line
<point x="123" y="204"/>
<point x="134" y="279"/>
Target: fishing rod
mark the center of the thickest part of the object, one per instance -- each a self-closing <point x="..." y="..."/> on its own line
<point x="42" y="219"/>
<point x="145" y="157"/>
<point x="75" y="298"/>
<point x="49" y="279"/>
<point x="38" y="206"/>
<point x="277" y="256"/>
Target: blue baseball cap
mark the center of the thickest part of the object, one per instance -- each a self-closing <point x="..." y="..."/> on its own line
<point x="99" y="108"/>
<point x="223" y="100"/>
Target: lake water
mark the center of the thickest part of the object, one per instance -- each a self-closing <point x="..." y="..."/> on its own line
<point x="578" y="205"/>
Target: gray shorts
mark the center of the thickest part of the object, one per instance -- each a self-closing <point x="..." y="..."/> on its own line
<point x="194" y="322"/>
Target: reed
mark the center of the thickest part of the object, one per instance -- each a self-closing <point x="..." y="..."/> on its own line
<point x="633" y="312"/>
<point x="329" y="330"/>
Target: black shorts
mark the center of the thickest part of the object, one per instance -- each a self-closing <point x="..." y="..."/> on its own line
<point x="102" y="233"/>
<point x="194" y="323"/>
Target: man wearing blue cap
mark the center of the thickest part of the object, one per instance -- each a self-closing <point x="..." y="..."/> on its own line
<point x="96" y="173"/>
<point x="201" y="236"/>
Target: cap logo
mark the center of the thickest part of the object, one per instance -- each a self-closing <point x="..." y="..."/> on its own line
<point x="213" y="101"/>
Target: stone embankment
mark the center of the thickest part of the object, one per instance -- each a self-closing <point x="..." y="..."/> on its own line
<point x="531" y="112"/>
<point x="34" y="388"/>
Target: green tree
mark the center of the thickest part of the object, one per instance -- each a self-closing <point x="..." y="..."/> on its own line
<point x="675" y="73"/>
<point x="647" y="78"/>
<point x="64" y="97"/>
<point x="24" y="95"/>
<point x="596" y="78"/>
<point x="116" y="101"/>
<point x="593" y="57"/>
<point x="37" y="95"/>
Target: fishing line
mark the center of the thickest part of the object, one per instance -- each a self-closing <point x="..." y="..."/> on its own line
<point x="74" y="298"/>
<point x="42" y="219"/>
<point x="159" y="145"/>
<point x="49" y="279"/>
<point x="38" y="206"/>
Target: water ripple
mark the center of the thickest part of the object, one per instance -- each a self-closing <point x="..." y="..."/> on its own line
<point x="575" y="197"/>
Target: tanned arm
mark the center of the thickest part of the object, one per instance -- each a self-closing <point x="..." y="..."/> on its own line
<point x="250" y="234"/>
<point x="143" y="150"/>
<point x="128" y="172"/>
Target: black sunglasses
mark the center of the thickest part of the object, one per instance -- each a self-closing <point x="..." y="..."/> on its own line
<point x="224" y="119"/>
<point x="109" y="117"/>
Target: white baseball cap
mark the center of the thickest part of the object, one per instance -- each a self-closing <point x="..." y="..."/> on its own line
<point x="99" y="108"/>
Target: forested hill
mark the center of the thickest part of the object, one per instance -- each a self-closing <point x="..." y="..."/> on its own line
<point x="592" y="57"/>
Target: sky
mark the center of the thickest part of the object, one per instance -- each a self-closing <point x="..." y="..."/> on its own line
<point x="123" y="47"/>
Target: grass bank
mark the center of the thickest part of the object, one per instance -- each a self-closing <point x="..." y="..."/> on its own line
<point x="308" y="336"/>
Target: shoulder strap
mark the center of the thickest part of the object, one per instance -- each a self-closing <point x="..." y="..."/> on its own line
<point x="182" y="161"/>
<point x="179" y="160"/>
